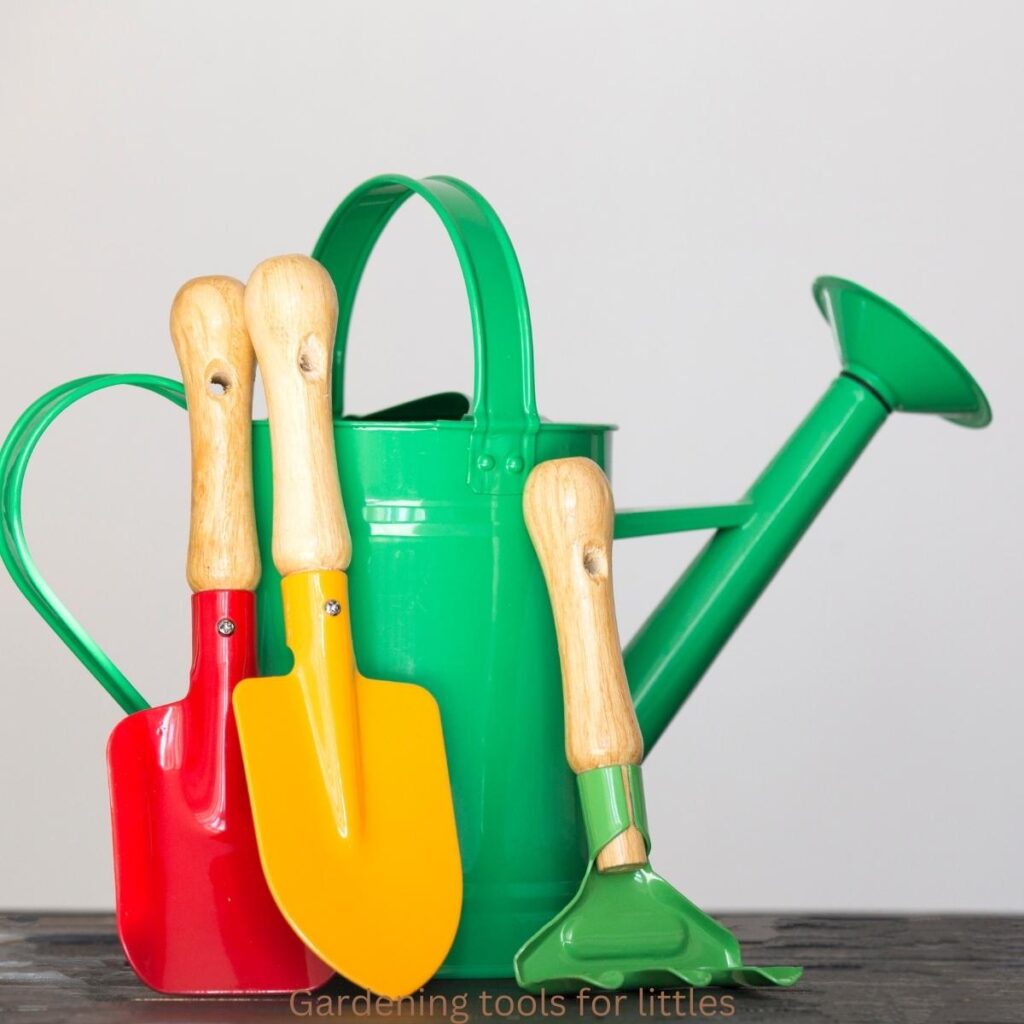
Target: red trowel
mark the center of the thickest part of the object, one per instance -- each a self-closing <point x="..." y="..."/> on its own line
<point x="193" y="910"/>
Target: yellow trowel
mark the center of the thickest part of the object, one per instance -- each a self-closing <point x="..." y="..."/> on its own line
<point x="347" y="775"/>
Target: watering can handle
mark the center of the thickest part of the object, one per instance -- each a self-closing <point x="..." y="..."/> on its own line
<point x="504" y="410"/>
<point x="15" y="453"/>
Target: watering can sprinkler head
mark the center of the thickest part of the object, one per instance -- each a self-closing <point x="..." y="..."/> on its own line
<point x="907" y="368"/>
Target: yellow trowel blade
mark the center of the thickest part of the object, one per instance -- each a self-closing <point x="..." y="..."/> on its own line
<point x="351" y="799"/>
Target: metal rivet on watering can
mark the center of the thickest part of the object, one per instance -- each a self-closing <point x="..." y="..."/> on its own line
<point x="485" y="462"/>
<point x="514" y="464"/>
<point x="332" y="607"/>
<point x="226" y="627"/>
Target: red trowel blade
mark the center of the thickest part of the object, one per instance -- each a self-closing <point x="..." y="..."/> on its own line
<point x="193" y="909"/>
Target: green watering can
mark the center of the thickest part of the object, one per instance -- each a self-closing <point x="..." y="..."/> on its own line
<point x="446" y="588"/>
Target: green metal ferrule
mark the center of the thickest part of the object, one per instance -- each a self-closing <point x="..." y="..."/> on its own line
<point x="606" y="795"/>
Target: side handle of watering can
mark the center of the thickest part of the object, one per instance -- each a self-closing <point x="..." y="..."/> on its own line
<point x="889" y="364"/>
<point x="15" y="454"/>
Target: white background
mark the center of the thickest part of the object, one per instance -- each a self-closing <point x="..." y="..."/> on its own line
<point x="673" y="177"/>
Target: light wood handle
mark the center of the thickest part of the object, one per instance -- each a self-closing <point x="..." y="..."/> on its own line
<point x="291" y="310"/>
<point x="570" y="515"/>
<point x="218" y="367"/>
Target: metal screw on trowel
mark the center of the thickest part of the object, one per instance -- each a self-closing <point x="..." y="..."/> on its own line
<point x="226" y="627"/>
<point x="332" y="607"/>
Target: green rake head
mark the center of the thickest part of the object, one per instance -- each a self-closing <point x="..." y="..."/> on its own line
<point x="631" y="928"/>
<point x="634" y="929"/>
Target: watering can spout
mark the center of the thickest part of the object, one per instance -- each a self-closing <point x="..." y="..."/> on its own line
<point x="889" y="364"/>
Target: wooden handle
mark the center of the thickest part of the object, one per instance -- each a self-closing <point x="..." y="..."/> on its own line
<point x="291" y="310"/>
<point x="569" y="514"/>
<point x="217" y="367"/>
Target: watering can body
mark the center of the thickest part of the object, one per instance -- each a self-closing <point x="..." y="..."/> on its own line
<point x="445" y="586"/>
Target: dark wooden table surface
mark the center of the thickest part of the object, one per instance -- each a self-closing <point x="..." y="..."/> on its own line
<point x="872" y="969"/>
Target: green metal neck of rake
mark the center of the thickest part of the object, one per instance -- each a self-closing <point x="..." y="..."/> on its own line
<point x="889" y="364"/>
<point x="607" y="795"/>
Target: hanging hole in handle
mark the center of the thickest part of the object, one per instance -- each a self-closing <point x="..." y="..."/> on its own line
<point x="218" y="385"/>
<point x="310" y="359"/>
<point x="595" y="563"/>
<point x="220" y="378"/>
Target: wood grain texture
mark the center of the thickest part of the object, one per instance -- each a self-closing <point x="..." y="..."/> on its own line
<point x="570" y="515"/>
<point x="877" y="969"/>
<point x="291" y="310"/>
<point x="218" y="369"/>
